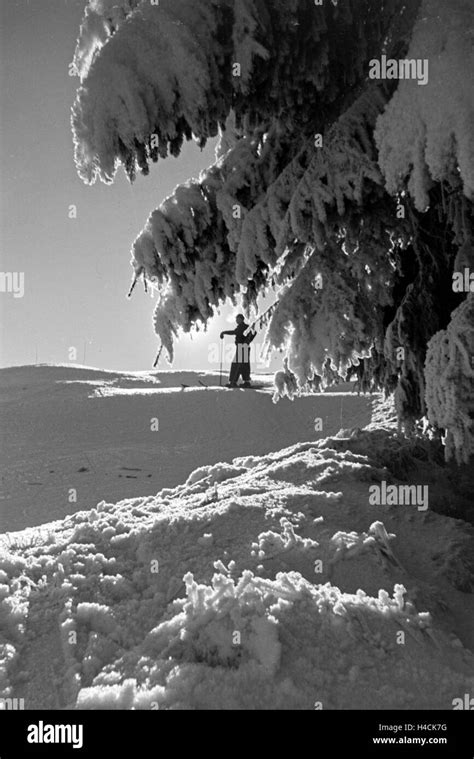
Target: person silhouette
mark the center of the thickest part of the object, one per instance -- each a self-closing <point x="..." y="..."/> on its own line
<point x="240" y="366"/>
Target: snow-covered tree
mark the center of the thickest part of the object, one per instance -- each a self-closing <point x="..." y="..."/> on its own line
<point x="352" y="196"/>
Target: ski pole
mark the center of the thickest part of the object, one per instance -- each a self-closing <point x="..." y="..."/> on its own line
<point x="220" y="368"/>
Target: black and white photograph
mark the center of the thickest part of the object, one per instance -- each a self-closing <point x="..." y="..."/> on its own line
<point x="236" y="369"/>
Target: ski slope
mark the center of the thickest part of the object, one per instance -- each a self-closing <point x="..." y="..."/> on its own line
<point x="254" y="575"/>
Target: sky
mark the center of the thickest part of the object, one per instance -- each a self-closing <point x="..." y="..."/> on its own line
<point x="76" y="271"/>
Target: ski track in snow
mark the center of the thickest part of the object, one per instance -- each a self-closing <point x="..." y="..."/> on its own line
<point x="250" y="580"/>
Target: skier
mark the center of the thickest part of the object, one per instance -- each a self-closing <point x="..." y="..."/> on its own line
<point x="240" y="366"/>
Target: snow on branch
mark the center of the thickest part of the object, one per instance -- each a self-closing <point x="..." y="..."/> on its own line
<point x="320" y="323"/>
<point x="153" y="75"/>
<point x="419" y="140"/>
<point x="450" y="382"/>
<point x="101" y="20"/>
<point x="153" y="84"/>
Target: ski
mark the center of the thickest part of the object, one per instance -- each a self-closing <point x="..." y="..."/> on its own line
<point x="251" y="387"/>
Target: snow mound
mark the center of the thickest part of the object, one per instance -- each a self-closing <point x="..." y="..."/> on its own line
<point x="237" y="644"/>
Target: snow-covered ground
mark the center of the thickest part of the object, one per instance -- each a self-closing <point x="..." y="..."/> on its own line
<point x="66" y="427"/>
<point x="258" y="576"/>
